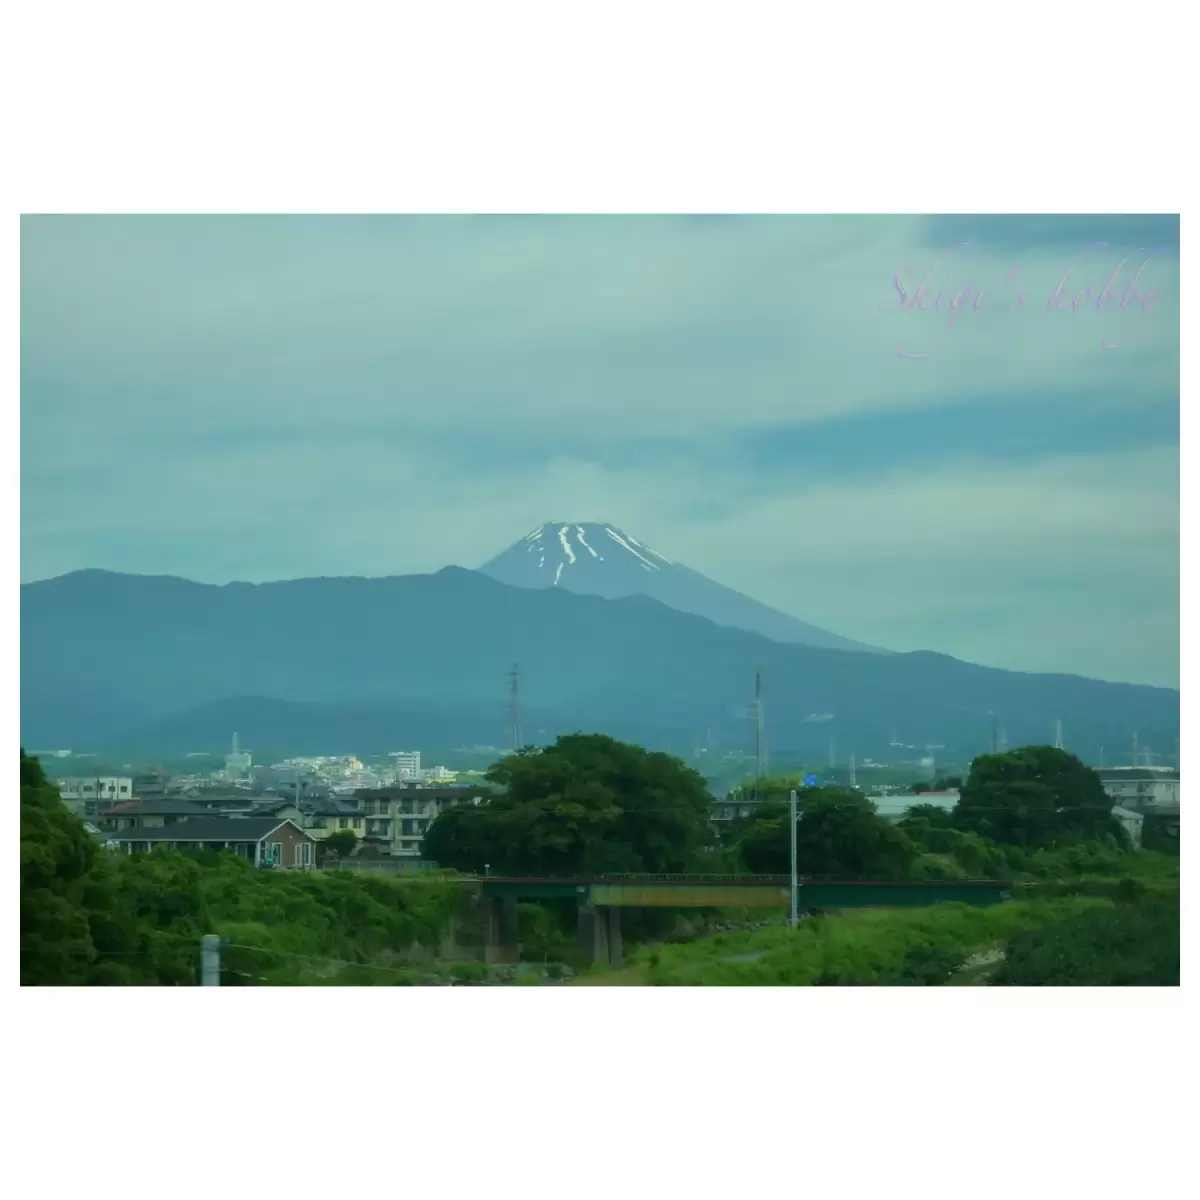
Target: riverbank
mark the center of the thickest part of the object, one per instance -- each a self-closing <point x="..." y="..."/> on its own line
<point x="870" y="946"/>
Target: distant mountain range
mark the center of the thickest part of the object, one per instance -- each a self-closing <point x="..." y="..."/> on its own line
<point x="600" y="560"/>
<point x="162" y="665"/>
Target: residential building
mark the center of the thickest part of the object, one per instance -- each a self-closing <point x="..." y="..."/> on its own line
<point x="88" y="796"/>
<point x="156" y="813"/>
<point x="738" y="804"/>
<point x="331" y="814"/>
<point x="1141" y="788"/>
<point x="397" y="818"/>
<point x="406" y="762"/>
<point x="265" y="841"/>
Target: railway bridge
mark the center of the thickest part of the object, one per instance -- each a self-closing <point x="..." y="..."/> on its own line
<point x="601" y="898"/>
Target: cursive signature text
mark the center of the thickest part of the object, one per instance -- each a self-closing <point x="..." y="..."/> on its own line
<point x="958" y="300"/>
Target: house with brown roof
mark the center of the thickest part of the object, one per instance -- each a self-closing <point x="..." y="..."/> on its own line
<point x="264" y="841"/>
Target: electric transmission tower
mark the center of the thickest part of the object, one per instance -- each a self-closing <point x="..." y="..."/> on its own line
<point x="760" y="737"/>
<point x="1058" y="738"/>
<point x="514" y="706"/>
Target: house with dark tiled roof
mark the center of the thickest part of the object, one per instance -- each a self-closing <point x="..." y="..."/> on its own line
<point x="154" y="813"/>
<point x="264" y="841"/>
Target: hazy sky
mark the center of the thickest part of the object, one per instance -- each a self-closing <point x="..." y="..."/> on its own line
<point x="264" y="398"/>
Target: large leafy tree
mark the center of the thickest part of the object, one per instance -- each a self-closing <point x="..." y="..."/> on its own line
<point x="589" y="804"/>
<point x="90" y="918"/>
<point x="1034" y="796"/>
<point x="57" y="855"/>
<point x="838" y="833"/>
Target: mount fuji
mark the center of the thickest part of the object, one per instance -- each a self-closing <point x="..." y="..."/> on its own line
<point x="598" y="559"/>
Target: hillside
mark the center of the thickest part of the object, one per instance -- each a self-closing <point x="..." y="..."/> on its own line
<point x="107" y="658"/>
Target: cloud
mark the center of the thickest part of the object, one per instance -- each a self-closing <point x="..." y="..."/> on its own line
<point x="272" y="397"/>
<point x="638" y="328"/>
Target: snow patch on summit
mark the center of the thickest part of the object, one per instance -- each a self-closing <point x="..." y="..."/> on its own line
<point x="616" y="537"/>
<point x="583" y="543"/>
<point x="562" y="537"/>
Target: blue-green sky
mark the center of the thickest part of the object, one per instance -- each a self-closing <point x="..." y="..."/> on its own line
<point x="263" y="398"/>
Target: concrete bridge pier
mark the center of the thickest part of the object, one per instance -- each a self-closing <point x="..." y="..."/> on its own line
<point x="600" y="933"/>
<point x="613" y="923"/>
<point x="501" y="941"/>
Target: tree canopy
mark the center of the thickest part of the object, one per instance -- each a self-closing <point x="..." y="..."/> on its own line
<point x="838" y="833"/>
<point x="1034" y="796"/>
<point x="57" y="855"/>
<point x="588" y="804"/>
<point x="342" y="842"/>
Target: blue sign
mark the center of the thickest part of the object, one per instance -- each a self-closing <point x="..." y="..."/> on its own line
<point x="811" y="781"/>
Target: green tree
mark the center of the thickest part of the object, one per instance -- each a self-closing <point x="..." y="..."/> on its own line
<point x="589" y="804"/>
<point x="838" y="833"/>
<point x="342" y="842"/>
<point x="1034" y="796"/>
<point x="926" y="816"/>
<point x="462" y="837"/>
<point x="57" y="855"/>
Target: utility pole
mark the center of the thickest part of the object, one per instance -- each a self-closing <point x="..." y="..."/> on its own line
<point x="210" y="960"/>
<point x="514" y="706"/>
<point x="795" y="881"/>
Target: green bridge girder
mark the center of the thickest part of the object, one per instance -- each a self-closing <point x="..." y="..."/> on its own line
<point x="747" y="891"/>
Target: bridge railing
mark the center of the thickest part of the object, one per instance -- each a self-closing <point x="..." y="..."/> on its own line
<point x="751" y="880"/>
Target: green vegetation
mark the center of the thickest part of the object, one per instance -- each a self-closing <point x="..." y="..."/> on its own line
<point x="341" y="842"/>
<point x="1035" y="796"/>
<point x="92" y="917"/>
<point x="838" y="834"/>
<point x="1133" y="945"/>
<point x="1088" y="910"/>
<point x="586" y="805"/>
<point x="870" y="946"/>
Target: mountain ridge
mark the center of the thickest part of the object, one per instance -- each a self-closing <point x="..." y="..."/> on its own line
<point x="104" y="654"/>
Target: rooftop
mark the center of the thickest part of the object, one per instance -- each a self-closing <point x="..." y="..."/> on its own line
<point x="156" y="806"/>
<point x="1137" y="776"/>
<point x="206" y="829"/>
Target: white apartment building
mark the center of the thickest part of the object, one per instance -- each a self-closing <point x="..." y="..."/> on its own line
<point x="87" y="796"/>
<point x="406" y="762"/>
<point x="400" y="818"/>
<point x="1141" y="788"/>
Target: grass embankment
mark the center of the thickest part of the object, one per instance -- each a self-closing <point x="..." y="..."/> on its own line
<point x="945" y="943"/>
<point x="328" y="926"/>
<point x="869" y="946"/>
